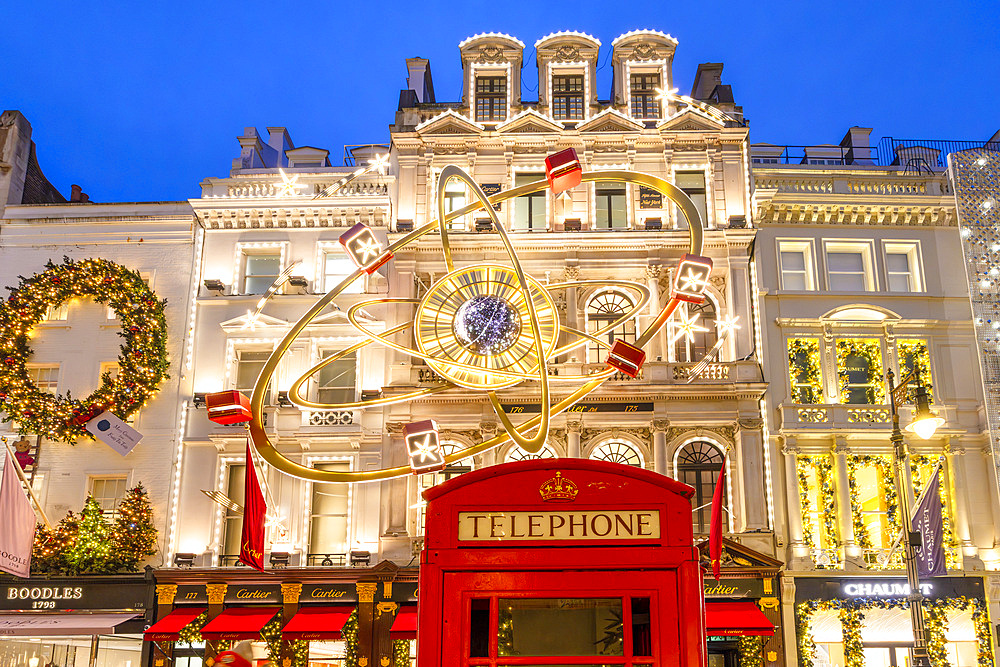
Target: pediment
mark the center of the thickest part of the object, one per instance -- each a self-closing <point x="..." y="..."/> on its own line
<point x="610" y="120"/>
<point x="691" y="120"/>
<point x="262" y="321"/>
<point x="528" y="121"/>
<point x="449" y="122"/>
<point x="736" y="555"/>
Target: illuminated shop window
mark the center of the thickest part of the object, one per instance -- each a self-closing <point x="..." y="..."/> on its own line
<point x="804" y="371"/>
<point x="618" y="452"/>
<point x="813" y="509"/>
<point x="491" y="98"/>
<point x="914" y="355"/>
<point x="872" y="499"/>
<point x="603" y="309"/>
<point x="643" y="92"/>
<point x="58" y="313"/>
<point x="698" y="465"/>
<point x="859" y="369"/>
<point x="567" y="97"/>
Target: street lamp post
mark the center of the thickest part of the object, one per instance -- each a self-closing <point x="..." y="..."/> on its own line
<point x="924" y="424"/>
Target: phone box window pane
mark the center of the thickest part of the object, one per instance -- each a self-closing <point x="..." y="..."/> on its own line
<point x="560" y="626"/>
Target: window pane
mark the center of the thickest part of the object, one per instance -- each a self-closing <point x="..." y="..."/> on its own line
<point x="560" y="627"/>
<point x="529" y="210"/>
<point x="897" y="262"/>
<point x="260" y="271"/>
<point x="328" y="532"/>
<point x="337" y="380"/>
<point x="900" y="282"/>
<point x="846" y="261"/>
<point x="338" y="266"/>
<point x="248" y="368"/>
<point x="793" y="281"/>
<point x="793" y="260"/>
<point x="233" y="525"/>
<point x="847" y="282"/>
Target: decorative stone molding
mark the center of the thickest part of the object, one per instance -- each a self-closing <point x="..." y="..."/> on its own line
<point x="660" y="424"/>
<point x="216" y="593"/>
<point x="571" y="272"/>
<point x="567" y="54"/>
<point x="840" y="445"/>
<point x="750" y="423"/>
<point x="290" y="592"/>
<point x="653" y="271"/>
<point x="490" y="53"/>
<point x="366" y="592"/>
<point x="641" y="434"/>
<point x="165" y="593"/>
<point x="394" y="428"/>
<point x="954" y="447"/>
<point x="574" y="426"/>
<point x="719" y="283"/>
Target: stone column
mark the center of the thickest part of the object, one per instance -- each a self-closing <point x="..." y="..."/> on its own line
<point x="573" y="439"/>
<point x="290" y="593"/>
<point x="579" y="354"/>
<point x="216" y="603"/>
<point x="797" y="544"/>
<point x="487" y="431"/>
<point x="163" y="651"/>
<point x="853" y="559"/>
<point x="750" y="442"/>
<point x="366" y="621"/>
<point x="660" y="462"/>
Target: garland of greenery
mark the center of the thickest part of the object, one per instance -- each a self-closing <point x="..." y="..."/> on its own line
<point x="936" y="625"/>
<point x="919" y="462"/>
<point x="401" y="653"/>
<point x="870" y="350"/>
<point x="914" y="355"/>
<point x="883" y="464"/>
<point x="143" y="362"/>
<point x="271" y="634"/>
<point x="807" y="373"/>
<point x="823" y="465"/>
<point x="751" y="651"/>
<point x="191" y="633"/>
<point x="349" y="633"/>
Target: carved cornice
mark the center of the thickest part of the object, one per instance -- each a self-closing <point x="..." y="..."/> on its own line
<point x="366" y="592"/>
<point x="290" y="592"/>
<point x="165" y="593"/>
<point x="216" y="593"/>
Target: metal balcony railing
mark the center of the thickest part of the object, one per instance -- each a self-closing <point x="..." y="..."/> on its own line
<point x="910" y="155"/>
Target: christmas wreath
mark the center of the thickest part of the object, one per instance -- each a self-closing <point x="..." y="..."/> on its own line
<point x="143" y="361"/>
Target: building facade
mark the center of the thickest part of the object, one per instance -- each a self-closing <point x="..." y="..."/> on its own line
<point x="860" y="254"/>
<point x="831" y="265"/>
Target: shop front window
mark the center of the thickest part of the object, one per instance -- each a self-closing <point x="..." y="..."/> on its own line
<point x="915" y="358"/>
<point x="804" y="371"/>
<point x="859" y="368"/>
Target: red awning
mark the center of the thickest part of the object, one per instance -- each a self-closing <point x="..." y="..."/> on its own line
<point x="168" y="628"/>
<point x="404" y="626"/>
<point x="239" y="623"/>
<point x="740" y="617"/>
<point x="317" y="623"/>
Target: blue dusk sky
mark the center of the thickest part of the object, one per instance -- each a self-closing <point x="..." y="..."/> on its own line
<point x="141" y="101"/>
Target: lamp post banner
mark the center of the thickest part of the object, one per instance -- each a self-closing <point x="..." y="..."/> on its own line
<point x="927" y="521"/>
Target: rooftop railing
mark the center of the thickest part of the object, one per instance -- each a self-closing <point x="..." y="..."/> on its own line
<point x="910" y="155"/>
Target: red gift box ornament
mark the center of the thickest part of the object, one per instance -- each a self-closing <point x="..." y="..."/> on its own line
<point x="228" y="407"/>
<point x="423" y="444"/>
<point x="563" y="170"/>
<point x="626" y="358"/>
<point x="364" y="248"/>
<point x="692" y="278"/>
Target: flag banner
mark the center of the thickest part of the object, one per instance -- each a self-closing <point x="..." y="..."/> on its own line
<point x="17" y="523"/>
<point x="927" y="521"/>
<point x="254" y="509"/>
<point x="715" y="530"/>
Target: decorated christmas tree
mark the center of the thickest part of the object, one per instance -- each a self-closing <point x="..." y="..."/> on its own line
<point x="133" y="537"/>
<point x="91" y="552"/>
<point x="48" y="553"/>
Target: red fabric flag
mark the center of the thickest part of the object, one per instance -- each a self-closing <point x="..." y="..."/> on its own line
<point x="715" y="529"/>
<point x="254" y="509"/>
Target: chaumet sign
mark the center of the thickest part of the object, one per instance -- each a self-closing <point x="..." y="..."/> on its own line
<point x="884" y="589"/>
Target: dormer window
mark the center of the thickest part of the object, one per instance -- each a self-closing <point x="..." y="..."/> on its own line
<point x="567" y="97"/>
<point x="491" y="99"/>
<point x="645" y="104"/>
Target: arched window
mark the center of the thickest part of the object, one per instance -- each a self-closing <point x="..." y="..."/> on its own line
<point x="618" y="452"/>
<point x="603" y="309"/>
<point x="430" y="479"/>
<point x="698" y="464"/>
<point x="518" y="454"/>
<point x="693" y="347"/>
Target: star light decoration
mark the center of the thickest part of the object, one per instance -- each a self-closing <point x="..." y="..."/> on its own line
<point x="289" y="186"/>
<point x="687" y="327"/>
<point x="364" y="248"/>
<point x="692" y="278"/>
<point x="423" y="444"/>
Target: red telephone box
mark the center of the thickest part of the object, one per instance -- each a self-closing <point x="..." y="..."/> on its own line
<point x="560" y="562"/>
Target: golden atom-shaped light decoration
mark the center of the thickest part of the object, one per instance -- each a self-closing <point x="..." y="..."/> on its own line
<point x="483" y="327"/>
